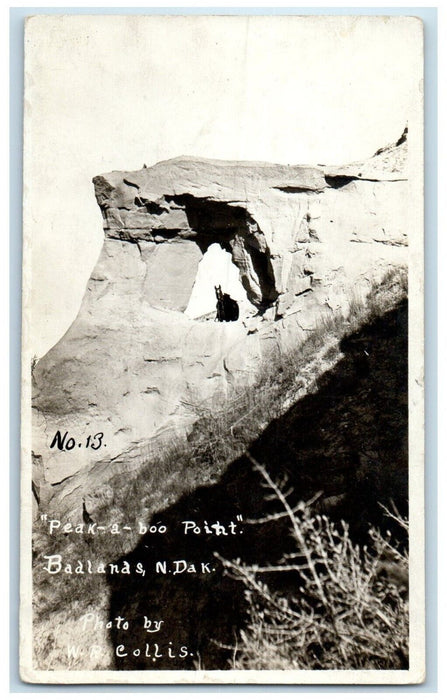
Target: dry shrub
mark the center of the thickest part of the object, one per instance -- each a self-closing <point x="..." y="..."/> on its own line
<point x="348" y="608"/>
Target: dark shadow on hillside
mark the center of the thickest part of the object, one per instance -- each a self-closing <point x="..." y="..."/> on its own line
<point x="350" y="437"/>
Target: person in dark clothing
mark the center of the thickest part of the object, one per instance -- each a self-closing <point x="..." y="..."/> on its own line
<point x="226" y="307"/>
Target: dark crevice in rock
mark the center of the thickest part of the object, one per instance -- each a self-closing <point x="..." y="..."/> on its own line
<point x="263" y="268"/>
<point x="36" y="491"/>
<point x="151" y="207"/>
<point x="290" y="189"/>
<point x="62" y="481"/>
<point x="131" y="184"/>
<point x="305" y="291"/>
<point x="338" y="181"/>
<point x="160" y="359"/>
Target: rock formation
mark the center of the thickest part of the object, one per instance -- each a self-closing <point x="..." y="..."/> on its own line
<point x="138" y="371"/>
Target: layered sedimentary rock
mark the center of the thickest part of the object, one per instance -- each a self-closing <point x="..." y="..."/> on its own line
<point x="133" y="367"/>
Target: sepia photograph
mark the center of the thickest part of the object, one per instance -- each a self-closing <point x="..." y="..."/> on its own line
<point x="223" y="362"/>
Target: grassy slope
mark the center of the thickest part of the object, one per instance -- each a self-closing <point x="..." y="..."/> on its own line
<point x="216" y="441"/>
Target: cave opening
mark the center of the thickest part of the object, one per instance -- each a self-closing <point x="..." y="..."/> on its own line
<point x="234" y="230"/>
<point x="216" y="269"/>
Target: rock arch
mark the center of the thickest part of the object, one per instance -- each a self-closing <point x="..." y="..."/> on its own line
<point x="236" y="231"/>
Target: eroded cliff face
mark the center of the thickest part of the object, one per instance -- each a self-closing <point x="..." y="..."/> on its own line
<point x="134" y="367"/>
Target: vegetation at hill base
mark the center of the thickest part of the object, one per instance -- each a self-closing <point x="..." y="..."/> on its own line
<point x="349" y="609"/>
